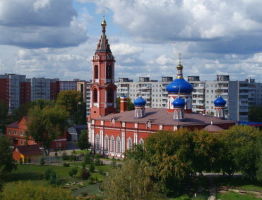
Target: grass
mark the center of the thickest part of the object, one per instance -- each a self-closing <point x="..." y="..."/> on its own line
<point x="235" y="196"/>
<point x="255" y="188"/>
<point x="35" y="172"/>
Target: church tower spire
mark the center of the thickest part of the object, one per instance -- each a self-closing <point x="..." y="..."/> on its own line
<point x="103" y="89"/>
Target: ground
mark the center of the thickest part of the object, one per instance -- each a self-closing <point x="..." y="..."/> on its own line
<point x="227" y="188"/>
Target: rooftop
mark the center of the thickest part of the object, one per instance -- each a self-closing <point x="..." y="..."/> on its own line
<point x="161" y="116"/>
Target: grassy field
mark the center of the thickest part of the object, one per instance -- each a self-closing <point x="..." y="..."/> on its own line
<point x="235" y="196"/>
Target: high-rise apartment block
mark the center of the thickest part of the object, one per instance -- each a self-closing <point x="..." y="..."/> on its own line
<point x="16" y="90"/>
<point x="240" y="95"/>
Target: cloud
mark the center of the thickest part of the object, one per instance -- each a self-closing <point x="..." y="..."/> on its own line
<point x="223" y="22"/>
<point x="40" y="23"/>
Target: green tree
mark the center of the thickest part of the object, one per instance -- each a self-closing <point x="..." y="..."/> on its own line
<point x="30" y="190"/>
<point x="73" y="103"/>
<point x="130" y="105"/>
<point x="255" y="113"/>
<point x="83" y="140"/>
<point x="7" y="163"/>
<point x="3" y="115"/>
<point x="259" y="161"/>
<point x="131" y="181"/>
<point x="23" y="110"/>
<point x="46" y="124"/>
<point x="241" y="141"/>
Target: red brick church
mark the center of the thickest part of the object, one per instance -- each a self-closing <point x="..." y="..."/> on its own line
<point x="112" y="133"/>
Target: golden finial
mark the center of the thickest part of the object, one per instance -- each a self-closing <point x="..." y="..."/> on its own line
<point x="179" y="58"/>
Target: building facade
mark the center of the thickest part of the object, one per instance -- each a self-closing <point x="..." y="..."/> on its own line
<point x="112" y="133"/>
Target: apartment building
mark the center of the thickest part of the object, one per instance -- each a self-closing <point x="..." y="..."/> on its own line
<point x="152" y="91"/>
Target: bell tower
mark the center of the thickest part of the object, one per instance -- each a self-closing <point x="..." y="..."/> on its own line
<point x="103" y="89"/>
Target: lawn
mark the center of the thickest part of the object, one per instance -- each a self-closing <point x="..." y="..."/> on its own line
<point x="35" y="172"/>
<point x="235" y="196"/>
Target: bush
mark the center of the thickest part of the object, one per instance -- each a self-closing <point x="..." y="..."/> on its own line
<point x="42" y="161"/>
<point x="66" y="164"/>
<point x="65" y="156"/>
<point x="73" y="172"/>
<point x="49" y="173"/>
<point x="92" y="167"/>
<point x="88" y="158"/>
<point x="84" y="174"/>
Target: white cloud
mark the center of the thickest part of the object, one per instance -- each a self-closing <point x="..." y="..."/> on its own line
<point x="40" y="23"/>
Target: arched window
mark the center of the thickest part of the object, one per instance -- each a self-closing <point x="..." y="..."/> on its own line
<point x="129" y="143"/>
<point x="97" y="145"/>
<point x="96" y="72"/>
<point x="141" y="141"/>
<point x="106" y="143"/>
<point x="112" y="147"/>
<point x="109" y="72"/>
<point x="118" y="145"/>
<point x="110" y="95"/>
<point x="95" y="96"/>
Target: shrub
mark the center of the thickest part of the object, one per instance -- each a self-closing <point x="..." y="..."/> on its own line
<point x="92" y="167"/>
<point x="42" y="161"/>
<point x="66" y="164"/>
<point x="73" y="172"/>
<point x="49" y="173"/>
<point x="84" y="174"/>
<point x="65" y="156"/>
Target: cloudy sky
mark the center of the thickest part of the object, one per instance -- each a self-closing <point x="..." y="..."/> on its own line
<point x="57" y="38"/>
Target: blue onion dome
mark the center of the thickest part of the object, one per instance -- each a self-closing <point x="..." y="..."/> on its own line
<point x="179" y="102"/>
<point x="179" y="86"/>
<point x="139" y="101"/>
<point x="220" y="102"/>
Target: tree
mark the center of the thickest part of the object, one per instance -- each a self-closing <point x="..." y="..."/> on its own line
<point x="23" y="110"/>
<point x="3" y="115"/>
<point x="130" y="105"/>
<point x="241" y="141"/>
<point x="83" y="140"/>
<point x="30" y="190"/>
<point x="46" y="124"/>
<point x="7" y="163"/>
<point x="73" y="103"/>
<point x="255" y="113"/>
<point x="131" y="181"/>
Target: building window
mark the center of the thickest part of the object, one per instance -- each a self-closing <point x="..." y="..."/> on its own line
<point x="109" y="72"/>
<point x="129" y="143"/>
<point x="141" y="141"/>
<point x="97" y="142"/>
<point x="110" y="95"/>
<point x="118" y="145"/>
<point x="106" y="145"/>
<point x="96" y="72"/>
<point x="112" y="148"/>
<point x="95" y="95"/>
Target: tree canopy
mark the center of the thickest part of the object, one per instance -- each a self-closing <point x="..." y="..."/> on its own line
<point x="83" y="140"/>
<point x="46" y="124"/>
<point x="255" y="113"/>
<point x="74" y="105"/>
<point x="131" y="181"/>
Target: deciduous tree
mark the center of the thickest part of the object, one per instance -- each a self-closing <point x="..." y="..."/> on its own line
<point x="46" y="124"/>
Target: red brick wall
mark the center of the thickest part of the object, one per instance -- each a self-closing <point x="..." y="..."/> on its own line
<point x="4" y="90"/>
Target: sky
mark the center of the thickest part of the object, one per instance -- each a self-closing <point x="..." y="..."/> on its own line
<point x="57" y="38"/>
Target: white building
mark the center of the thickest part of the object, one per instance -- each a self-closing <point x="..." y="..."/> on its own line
<point x="152" y="91"/>
<point x="238" y="94"/>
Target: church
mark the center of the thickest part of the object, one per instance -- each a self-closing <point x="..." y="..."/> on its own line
<point x="111" y="133"/>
